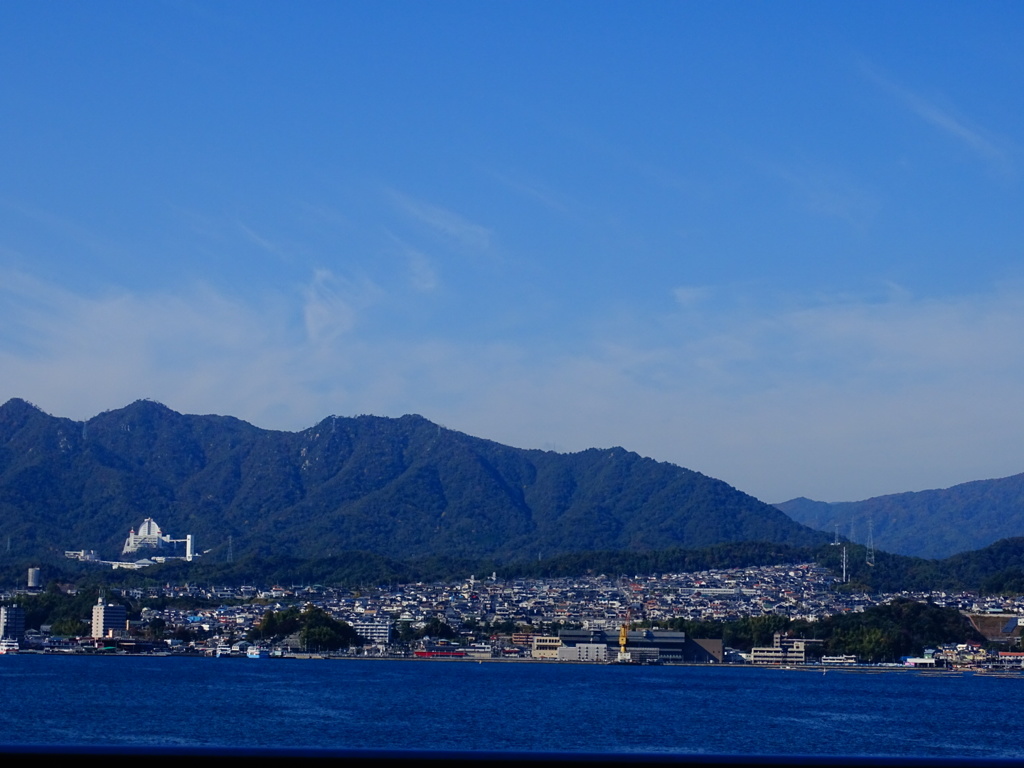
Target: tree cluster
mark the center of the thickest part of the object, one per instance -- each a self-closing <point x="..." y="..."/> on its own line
<point x="317" y="629"/>
<point x="883" y="633"/>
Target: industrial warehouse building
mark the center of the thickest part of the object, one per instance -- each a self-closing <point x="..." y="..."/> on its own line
<point x="645" y="645"/>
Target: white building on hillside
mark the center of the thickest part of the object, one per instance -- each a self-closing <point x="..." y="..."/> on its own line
<point x="151" y="537"/>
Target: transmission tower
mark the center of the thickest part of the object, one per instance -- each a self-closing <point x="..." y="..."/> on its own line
<point x="871" y="543"/>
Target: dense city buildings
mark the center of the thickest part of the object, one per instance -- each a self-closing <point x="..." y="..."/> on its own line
<point x="555" y="618"/>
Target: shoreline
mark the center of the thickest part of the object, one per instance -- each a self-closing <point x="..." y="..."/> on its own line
<point x="824" y="669"/>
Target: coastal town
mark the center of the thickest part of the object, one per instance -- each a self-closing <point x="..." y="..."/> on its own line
<point x="598" y="618"/>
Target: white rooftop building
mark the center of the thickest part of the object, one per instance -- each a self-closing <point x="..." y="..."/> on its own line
<point x="150" y="536"/>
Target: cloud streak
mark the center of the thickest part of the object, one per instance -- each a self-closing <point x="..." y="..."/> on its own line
<point x="996" y="152"/>
<point x="446" y="223"/>
<point x="533" y="191"/>
<point x="825" y="193"/>
<point x="258" y="240"/>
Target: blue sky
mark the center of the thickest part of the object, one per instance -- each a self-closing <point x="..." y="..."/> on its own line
<point x="778" y="243"/>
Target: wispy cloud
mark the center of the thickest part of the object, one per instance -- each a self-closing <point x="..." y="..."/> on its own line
<point x="827" y="193"/>
<point x="995" y="151"/>
<point x="71" y="231"/>
<point x="88" y="353"/>
<point x="421" y="272"/>
<point x="258" y="240"/>
<point x="532" y="190"/>
<point x="444" y="222"/>
<point x="327" y="214"/>
<point x="332" y="305"/>
<point x="691" y="295"/>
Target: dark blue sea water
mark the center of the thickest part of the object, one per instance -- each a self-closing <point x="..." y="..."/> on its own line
<point x="423" y="705"/>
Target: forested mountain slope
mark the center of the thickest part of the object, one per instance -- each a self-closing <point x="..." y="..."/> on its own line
<point x="398" y="487"/>
<point x="933" y="524"/>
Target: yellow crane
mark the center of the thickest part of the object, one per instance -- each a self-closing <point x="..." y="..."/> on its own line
<point x="624" y="633"/>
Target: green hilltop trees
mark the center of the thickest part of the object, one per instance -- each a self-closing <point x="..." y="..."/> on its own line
<point x="318" y="630"/>
<point x="882" y="633"/>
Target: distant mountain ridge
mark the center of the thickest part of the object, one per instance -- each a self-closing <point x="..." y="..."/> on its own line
<point x="933" y="524"/>
<point x="400" y="487"/>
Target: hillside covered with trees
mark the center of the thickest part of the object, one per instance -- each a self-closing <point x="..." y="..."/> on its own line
<point x="399" y="488"/>
<point x="933" y="524"/>
<point x="993" y="570"/>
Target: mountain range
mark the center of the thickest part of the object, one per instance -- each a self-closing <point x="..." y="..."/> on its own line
<point x="399" y="487"/>
<point x="931" y="524"/>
